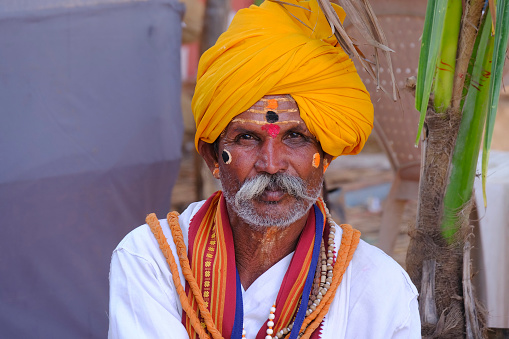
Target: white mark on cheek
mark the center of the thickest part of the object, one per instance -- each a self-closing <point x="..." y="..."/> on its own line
<point x="227" y="157"/>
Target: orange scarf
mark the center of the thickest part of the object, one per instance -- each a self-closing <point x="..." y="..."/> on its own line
<point x="212" y="283"/>
<point x="212" y="258"/>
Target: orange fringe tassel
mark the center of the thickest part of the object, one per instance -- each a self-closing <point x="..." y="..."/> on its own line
<point x="349" y="242"/>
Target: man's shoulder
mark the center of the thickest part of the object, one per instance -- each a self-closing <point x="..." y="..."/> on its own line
<point x="378" y="271"/>
<point x="382" y="297"/>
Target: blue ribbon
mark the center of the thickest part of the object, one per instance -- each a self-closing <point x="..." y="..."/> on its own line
<point x="301" y="313"/>
<point x="238" y="323"/>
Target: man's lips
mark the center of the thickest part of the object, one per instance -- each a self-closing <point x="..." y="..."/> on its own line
<point x="272" y="195"/>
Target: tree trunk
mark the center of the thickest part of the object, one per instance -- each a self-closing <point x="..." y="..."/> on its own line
<point x="440" y="267"/>
<point x="214" y="22"/>
<point x="427" y="243"/>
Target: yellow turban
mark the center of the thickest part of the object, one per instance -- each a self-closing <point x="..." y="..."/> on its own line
<point x="267" y="51"/>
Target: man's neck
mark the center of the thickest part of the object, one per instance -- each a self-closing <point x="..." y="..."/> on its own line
<point x="257" y="250"/>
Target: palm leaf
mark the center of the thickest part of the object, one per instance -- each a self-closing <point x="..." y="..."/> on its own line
<point x="364" y="20"/>
<point x="431" y="35"/>
<point x="470" y="68"/>
<point x="501" y="37"/>
<point x="444" y="79"/>
<point x="468" y="144"/>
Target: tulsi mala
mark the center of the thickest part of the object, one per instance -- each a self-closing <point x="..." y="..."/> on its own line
<point x="325" y="281"/>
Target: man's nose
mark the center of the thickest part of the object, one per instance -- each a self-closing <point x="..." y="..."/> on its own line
<point x="271" y="158"/>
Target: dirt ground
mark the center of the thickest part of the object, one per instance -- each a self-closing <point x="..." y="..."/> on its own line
<point x="356" y="175"/>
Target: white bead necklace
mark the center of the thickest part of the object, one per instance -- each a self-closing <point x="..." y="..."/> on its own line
<point x="325" y="280"/>
<point x="270" y="323"/>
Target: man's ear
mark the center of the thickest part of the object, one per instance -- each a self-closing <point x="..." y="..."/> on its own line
<point x="208" y="154"/>
<point x="327" y="157"/>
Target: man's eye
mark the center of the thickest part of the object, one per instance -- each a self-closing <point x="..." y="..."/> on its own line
<point x="293" y="135"/>
<point x="244" y="136"/>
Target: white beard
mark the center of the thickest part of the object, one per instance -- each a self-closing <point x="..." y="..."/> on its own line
<point x="242" y="201"/>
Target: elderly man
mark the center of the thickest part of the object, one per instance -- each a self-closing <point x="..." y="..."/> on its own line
<point x="276" y="101"/>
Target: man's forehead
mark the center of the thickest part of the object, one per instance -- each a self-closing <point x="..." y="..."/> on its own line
<point x="273" y="109"/>
<point x="272" y="114"/>
<point x="278" y="103"/>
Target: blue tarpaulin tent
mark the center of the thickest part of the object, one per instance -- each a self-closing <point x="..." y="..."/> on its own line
<point x="90" y="142"/>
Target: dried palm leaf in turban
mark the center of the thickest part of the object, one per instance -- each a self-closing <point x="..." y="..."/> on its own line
<point x="284" y="49"/>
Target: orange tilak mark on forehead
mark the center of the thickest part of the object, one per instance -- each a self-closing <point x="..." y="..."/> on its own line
<point x="272" y="104"/>
<point x="316" y="160"/>
<point x="279" y="105"/>
<point x="279" y="111"/>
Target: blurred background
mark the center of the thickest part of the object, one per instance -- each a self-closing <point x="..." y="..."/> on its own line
<point x="90" y="143"/>
<point x="97" y="131"/>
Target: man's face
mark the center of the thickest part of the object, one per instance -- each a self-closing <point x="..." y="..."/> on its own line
<point x="270" y="165"/>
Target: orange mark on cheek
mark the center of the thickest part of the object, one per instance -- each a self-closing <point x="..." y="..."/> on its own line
<point x="316" y="160"/>
<point x="271" y="129"/>
<point x="272" y="104"/>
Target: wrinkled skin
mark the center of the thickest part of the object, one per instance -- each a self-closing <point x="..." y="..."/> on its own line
<point x="256" y="149"/>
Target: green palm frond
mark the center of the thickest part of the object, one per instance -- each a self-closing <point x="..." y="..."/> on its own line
<point x="466" y="151"/>
<point x="430" y="48"/>
<point x="499" y="53"/>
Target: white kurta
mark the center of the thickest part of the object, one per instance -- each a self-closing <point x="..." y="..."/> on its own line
<point x="376" y="298"/>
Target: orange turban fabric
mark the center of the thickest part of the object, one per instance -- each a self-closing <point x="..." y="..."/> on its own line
<point x="268" y="51"/>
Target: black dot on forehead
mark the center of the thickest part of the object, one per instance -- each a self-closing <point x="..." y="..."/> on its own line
<point x="271" y="117"/>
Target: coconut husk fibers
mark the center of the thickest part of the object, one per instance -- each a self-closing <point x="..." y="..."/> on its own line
<point x="427" y="242"/>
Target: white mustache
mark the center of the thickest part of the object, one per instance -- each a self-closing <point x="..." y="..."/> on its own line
<point x="256" y="186"/>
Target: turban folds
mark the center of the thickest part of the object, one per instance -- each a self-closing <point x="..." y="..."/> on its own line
<point x="270" y="50"/>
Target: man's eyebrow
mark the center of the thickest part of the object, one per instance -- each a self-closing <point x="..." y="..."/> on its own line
<point x="241" y="129"/>
<point x="301" y="128"/>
